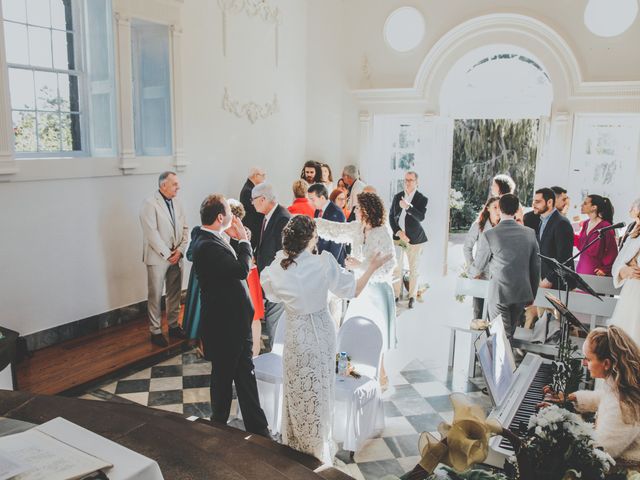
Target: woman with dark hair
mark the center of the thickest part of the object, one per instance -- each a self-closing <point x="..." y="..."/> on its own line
<point x="327" y="176"/>
<point x="501" y="185"/>
<point x="599" y="257"/>
<point x="487" y="219"/>
<point x="612" y="355"/>
<point x="626" y="274"/>
<point x="369" y="235"/>
<point x="309" y="360"/>
<point x="311" y="172"/>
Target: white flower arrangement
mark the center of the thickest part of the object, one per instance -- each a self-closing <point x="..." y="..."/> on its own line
<point x="456" y="202"/>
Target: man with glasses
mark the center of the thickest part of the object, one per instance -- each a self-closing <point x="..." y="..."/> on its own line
<point x="269" y="242"/>
<point x="252" y="219"/>
<point x="407" y="212"/>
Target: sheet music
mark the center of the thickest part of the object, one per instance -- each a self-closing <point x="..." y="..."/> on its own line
<point x="47" y="458"/>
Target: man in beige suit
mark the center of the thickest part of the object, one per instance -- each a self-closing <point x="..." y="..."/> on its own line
<point x="165" y="235"/>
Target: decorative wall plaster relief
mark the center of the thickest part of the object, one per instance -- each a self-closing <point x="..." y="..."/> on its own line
<point x="251" y="110"/>
<point x="365" y="68"/>
<point x="252" y="8"/>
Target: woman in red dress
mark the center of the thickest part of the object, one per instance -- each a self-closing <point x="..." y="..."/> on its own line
<point x="599" y="257"/>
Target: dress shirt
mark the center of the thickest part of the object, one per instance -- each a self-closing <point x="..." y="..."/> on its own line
<point x="544" y="219"/>
<point x="222" y="236"/>
<point x="268" y="216"/>
<point x="169" y="203"/>
<point x="403" y="214"/>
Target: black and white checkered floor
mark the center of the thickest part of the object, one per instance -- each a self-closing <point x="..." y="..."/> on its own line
<point x="417" y="400"/>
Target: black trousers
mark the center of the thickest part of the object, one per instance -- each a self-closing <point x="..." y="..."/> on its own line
<point x="230" y="366"/>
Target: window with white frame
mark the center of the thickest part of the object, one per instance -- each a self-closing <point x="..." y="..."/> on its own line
<point x="151" y="88"/>
<point x="61" y="80"/>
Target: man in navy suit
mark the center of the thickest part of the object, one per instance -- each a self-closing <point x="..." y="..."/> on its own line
<point x="325" y="208"/>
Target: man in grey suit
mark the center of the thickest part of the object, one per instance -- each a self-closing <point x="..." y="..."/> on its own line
<point x="511" y="251"/>
<point x="165" y="234"/>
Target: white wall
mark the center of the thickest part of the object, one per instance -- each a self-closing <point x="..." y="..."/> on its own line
<point x="72" y="248"/>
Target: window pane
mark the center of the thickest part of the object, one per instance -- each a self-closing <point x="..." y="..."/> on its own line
<point x="40" y="47"/>
<point x="71" y="132"/>
<point x="24" y="129"/>
<point x="69" y="97"/>
<point x="48" y="132"/>
<point x="61" y="14"/>
<point x="14" y="10"/>
<point x="21" y="88"/>
<point x="38" y="12"/>
<point x="152" y="105"/>
<point x="16" y="43"/>
<point x="101" y="118"/>
<point x="46" y="91"/>
<point x="99" y="22"/>
<point x="62" y="50"/>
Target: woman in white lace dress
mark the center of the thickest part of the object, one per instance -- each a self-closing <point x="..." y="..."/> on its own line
<point x="368" y="235"/>
<point x="626" y="274"/>
<point x="302" y="282"/>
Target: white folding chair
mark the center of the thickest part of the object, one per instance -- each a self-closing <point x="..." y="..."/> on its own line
<point x="359" y="412"/>
<point x="268" y="372"/>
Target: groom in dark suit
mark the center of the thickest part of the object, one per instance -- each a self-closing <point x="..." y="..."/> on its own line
<point x="555" y="237"/>
<point x="325" y="208"/>
<point x="227" y="313"/>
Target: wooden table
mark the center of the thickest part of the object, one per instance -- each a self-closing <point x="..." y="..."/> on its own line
<point x="183" y="449"/>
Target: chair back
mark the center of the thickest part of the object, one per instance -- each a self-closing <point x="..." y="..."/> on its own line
<point x="473" y="287"/>
<point x="278" y="339"/>
<point x="602" y="285"/>
<point x="362" y="340"/>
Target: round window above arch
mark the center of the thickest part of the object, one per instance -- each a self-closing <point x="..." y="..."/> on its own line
<point x="609" y="18"/>
<point x="404" y="29"/>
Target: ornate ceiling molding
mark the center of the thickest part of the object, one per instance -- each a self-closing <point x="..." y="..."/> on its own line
<point x="252" y="111"/>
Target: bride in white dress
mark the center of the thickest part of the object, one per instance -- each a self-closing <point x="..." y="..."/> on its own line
<point x="369" y="234"/>
<point x="626" y="274"/>
<point x="302" y="282"/>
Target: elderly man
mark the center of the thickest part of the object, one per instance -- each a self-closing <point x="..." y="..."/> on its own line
<point x="269" y="243"/>
<point x="351" y="179"/>
<point x="405" y="217"/>
<point x="165" y="234"/>
<point x="252" y="219"/>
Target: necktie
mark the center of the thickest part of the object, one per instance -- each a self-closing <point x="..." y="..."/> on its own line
<point x="264" y="226"/>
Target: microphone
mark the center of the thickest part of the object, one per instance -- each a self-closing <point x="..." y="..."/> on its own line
<point x="611" y="227"/>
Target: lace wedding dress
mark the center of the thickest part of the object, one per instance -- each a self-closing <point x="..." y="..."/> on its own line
<point x="627" y="312"/>
<point x="376" y="301"/>
<point x="309" y="355"/>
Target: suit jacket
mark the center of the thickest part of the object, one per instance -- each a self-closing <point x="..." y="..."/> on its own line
<point x="531" y="220"/>
<point x="271" y="241"/>
<point x="252" y="219"/>
<point x="227" y="311"/>
<point x="511" y="251"/>
<point x="415" y="215"/>
<point x="160" y="234"/>
<point x="338" y="250"/>
<point x="556" y="242"/>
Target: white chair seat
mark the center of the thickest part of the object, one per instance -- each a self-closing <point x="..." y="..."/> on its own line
<point x="268" y="367"/>
<point x="363" y="389"/>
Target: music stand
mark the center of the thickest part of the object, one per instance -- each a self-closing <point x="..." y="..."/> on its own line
<point x="565" y="274"/>
<point x="564" y="311"/>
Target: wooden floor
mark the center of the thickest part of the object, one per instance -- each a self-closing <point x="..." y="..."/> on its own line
<point x="84" y="360"/>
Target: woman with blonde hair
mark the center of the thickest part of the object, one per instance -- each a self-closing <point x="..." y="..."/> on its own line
<point x="626" y="274"/>
<point x="612" y="355"/>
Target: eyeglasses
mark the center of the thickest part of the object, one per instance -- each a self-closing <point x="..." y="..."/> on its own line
<point x="409" y="180"/>
<point x="253" y="200"/>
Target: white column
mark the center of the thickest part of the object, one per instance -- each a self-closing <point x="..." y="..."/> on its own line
<point x="179" y="160"/>
<point x="8" y="165"/>
<point x="127" y="149"/>
<point x="435" y="182"/>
